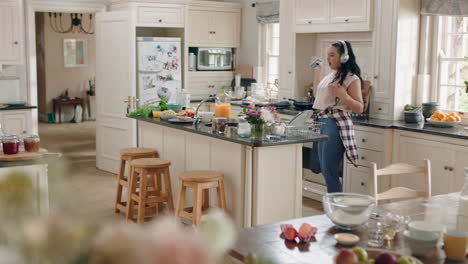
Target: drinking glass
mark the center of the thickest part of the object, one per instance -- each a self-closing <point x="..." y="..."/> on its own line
<point x="375" y="234"/>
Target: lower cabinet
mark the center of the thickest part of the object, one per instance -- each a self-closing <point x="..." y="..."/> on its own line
<point x="374" y="145"/>
<point x="17" y="122"/>
<point x="449" y="158"/>
<point x="202" y="84"/>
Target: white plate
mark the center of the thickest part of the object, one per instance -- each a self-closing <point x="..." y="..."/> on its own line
<point x="166" y="117"/>
<point x="346" y="239"/>
<point x="442" y="123"/>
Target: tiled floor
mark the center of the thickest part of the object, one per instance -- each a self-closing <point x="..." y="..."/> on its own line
<point x="87" y="191"/>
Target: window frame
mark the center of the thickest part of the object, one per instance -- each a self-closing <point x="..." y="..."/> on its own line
<point x="439" y="41"/>
<point x="266" y="54"/>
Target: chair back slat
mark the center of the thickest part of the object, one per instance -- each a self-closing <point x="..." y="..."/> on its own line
<point x="402" y="192"/>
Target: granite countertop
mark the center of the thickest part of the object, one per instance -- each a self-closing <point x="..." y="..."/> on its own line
<point x="231" y="135"/>
<point x="10" y="107"/>
<point x="458" y="131"/>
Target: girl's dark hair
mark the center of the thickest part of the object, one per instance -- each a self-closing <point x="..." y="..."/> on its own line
<point x="350" y="66"/>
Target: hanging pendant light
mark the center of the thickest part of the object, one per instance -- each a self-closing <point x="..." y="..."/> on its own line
<point x="76" y="25"/>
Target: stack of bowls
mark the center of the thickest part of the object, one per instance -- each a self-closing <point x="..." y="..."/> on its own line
<point x="429" y="108"/>
<point x="422" y="237"/>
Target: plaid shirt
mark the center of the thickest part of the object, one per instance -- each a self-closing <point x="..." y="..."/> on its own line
<point x="346" y="128"/>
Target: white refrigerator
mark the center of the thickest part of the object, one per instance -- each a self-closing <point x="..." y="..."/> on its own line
<point x="159" y="68"/>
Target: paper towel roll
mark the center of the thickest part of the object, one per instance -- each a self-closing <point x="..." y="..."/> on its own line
<point x="238" y="80"/>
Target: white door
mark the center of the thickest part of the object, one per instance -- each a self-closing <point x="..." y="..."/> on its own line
<point x="311" y="12"/>
<point x="9" y="36"/>
<point x="115" y="80"/>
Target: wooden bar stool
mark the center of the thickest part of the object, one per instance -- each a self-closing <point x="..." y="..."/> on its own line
<point x="148" y="172"/>
<point x="128" y="155"/>
<point x="201" y="182"/>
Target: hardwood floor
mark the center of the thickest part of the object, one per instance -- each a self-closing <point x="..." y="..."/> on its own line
<point x="86" y="191"/>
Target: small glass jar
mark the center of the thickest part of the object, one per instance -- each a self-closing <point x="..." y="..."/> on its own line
<point x="243" y="129"/>
<point x="10" y="144"/>
<point x="32" y="143"/>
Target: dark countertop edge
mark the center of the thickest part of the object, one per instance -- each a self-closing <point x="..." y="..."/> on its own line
<point x="252" y="144"/>
<point x="18" y="107"/>
<point x="370" y="123"/>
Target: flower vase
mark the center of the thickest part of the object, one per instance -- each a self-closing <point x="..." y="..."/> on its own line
<point x="257" y="131"/>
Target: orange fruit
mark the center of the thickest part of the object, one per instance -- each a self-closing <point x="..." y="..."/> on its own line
<point x="438" y="112"/>
<point x="452" y="119"/>
<point x="434" y="118"/>
<point x="443" y="117"/>
<point x="458" y="118"/>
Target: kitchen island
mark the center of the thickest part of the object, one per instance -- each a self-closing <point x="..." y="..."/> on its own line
<point x="263" y="179"/>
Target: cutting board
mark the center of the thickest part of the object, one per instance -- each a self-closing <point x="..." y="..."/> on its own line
<point x="22" y="155"/>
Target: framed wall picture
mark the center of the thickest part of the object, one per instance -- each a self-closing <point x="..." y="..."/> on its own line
<point x="75" y="52"/>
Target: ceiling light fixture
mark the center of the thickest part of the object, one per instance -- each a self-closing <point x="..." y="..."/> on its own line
<point x="75" y="23"/>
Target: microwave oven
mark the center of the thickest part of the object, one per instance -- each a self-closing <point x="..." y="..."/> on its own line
<point x="214" y="59"/>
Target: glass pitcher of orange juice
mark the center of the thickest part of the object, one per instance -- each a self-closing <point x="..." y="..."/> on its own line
<point x="223" y="105"/>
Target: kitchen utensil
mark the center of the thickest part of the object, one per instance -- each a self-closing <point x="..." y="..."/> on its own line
<point x="179" y="122"/>
<point x="421" y="245"/>
<point x="348" y="210"/>
<point x="301" y="106"/>
<point x="443" y="124"/>
<point x="166" y="117"/>
<point x="174" y="107"/>
<point x="346" y="239"/>
<point x="429" y="108"/>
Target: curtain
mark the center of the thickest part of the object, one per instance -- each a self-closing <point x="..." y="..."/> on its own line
<point x="445" y="7"/>
<point x="268" y="12"/>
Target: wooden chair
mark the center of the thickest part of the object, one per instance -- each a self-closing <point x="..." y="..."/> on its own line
<point x="127" y="155"/>
<point x="148" y="173"/>
<point x="401" y="193"/>
<point x="201" y="182"/>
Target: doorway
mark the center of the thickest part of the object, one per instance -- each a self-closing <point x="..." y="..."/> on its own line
<point x="65" y="48"/>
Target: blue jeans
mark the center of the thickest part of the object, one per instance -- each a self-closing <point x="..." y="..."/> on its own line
<point x="330" y="153"/>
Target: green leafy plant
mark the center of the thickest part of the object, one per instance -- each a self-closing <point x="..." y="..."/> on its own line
<point x="411" y="107"/>
<point x="144" y="111"/>
<point x="162" y="105"/>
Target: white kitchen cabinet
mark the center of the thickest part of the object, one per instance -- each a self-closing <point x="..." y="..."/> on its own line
<point x="161" y="15"/>
<point x="374" y="145"/>
<point x="11" y="28"/>
<point x="313" y="16"/>
<point x="395" y="47"/>
<point x="213" y="27"/>
<point x="448" y="158"/>
<point x="310" y="12"/>
<point x="17" y="122"/>
<point x="202" y="84"/>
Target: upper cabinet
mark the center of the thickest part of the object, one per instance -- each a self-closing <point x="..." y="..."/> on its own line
<point x="311" y="12"/>
<point x="213" y="27"/>
<point x="312" y="16"/>
<point x="11" y="41"/>
<point x="161" y="15"/>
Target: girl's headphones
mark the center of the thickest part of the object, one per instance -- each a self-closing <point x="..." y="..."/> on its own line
<point x="344" y="57"/>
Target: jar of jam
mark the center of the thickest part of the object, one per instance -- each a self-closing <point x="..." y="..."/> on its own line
<point x="10" y="144"/>
<point x="32" y="143"/>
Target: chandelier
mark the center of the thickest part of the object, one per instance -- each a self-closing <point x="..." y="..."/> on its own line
<point x="76" y="26"/>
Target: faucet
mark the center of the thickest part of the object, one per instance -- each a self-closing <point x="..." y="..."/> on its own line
<point x="196" y="118"/>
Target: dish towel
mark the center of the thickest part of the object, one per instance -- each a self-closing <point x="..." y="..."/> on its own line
<point x="346" y="129"/>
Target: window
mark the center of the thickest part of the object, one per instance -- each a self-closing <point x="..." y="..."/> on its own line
<point x="271" y="57"/>
<point x="453" y="63"/>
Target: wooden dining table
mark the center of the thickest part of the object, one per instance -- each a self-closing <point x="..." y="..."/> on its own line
<point x="266" y="241"/>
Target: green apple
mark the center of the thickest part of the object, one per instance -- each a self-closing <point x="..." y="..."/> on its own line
<point x="406" y="260"/>
<point x="361" y="253"/>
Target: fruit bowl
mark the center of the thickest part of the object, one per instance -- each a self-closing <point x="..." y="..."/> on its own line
<point x="443" y="123"/>
<point x="348" y="210"/>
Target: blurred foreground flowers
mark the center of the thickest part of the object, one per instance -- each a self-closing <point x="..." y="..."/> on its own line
<point x="28" y="235"/>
